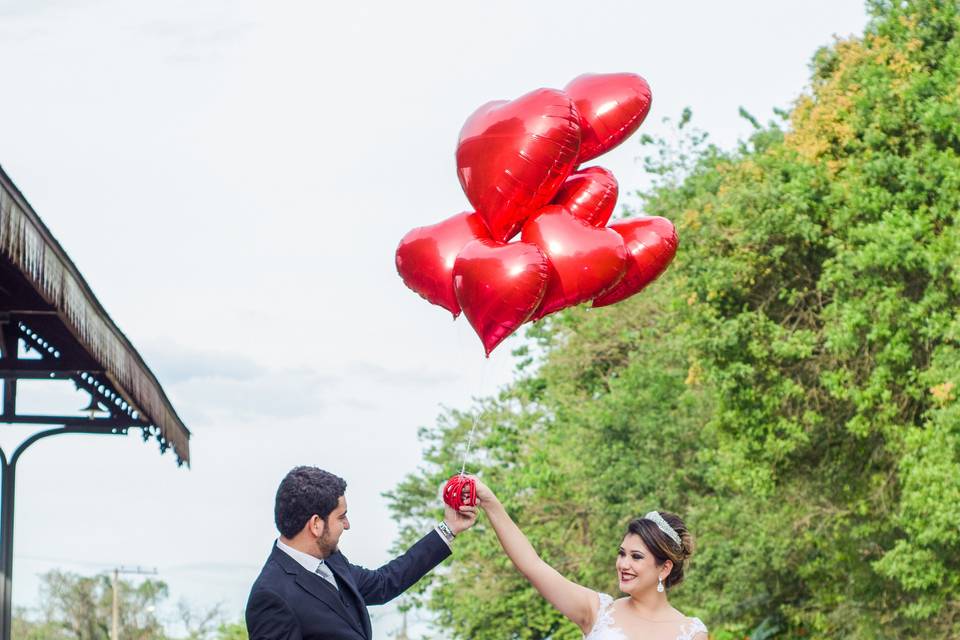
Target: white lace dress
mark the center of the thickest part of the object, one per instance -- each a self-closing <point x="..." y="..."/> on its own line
<point x="603" y="628"/>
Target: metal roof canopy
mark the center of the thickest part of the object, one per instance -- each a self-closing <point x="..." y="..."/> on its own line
<point x="47" y="306"/>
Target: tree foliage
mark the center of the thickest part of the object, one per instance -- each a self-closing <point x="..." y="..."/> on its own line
<point x="788" y="386"/>
<point x="77" y="607"/>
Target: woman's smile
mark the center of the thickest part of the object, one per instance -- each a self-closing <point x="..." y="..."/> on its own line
<point x="626" y="576"/>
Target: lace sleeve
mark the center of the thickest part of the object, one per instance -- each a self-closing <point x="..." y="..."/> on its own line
<point x="603" y="619"/>
<point x="692" y="628"/>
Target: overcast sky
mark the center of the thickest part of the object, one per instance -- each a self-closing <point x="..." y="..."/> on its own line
<point x="232" y="179"/>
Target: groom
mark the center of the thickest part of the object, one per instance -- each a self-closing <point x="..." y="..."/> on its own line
<point x="308" y="589"/>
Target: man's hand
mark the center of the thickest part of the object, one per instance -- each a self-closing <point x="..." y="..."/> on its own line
<point x="459" y="521"/>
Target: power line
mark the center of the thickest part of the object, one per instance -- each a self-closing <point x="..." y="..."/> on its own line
<point x="197" y="567"/>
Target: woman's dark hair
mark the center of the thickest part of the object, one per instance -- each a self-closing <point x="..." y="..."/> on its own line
<point x="303" y="492"/>
<point x="662" y="546"/>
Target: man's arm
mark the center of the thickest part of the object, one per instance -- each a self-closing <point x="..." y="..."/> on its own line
<point x="386" y="583"/>
<point x="382" y="585"/>
<point x="269" y="618"/>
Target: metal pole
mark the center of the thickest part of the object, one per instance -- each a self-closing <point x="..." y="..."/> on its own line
<point x="6" y="545"/>
<point x="8" y="490"/>
<point x="9" y="344"/>
<point x="115" y="629"/>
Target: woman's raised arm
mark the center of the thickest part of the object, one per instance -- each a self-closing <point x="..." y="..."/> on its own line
<point x="574" y="601"/>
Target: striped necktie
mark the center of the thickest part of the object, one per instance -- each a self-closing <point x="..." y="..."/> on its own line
<point x="327" y="574"/>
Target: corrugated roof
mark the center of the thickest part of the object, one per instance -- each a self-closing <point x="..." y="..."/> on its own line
<point x="28" y="244"/>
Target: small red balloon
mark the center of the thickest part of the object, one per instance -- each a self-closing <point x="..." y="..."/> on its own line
<point x="460" y="491"/>
<point x="651" y="243"/>
<point x="589" y="194"/>
<point x="499" y="286"/>
<point x="611" y="106"/>
<point x="513" y="156"/>
<point x="584" y="261"/>
<point x="426" y="255"/>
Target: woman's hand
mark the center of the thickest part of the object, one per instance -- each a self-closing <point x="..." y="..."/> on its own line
<point x="485" y="496"/>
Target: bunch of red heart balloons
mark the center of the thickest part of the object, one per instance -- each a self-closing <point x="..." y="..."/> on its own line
<point x="519" y="163"/>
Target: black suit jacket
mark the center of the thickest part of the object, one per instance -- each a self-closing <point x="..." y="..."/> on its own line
<point x="288" y="602"/>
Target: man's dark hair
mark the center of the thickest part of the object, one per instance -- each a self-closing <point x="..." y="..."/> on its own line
<point x="303" y="492"/>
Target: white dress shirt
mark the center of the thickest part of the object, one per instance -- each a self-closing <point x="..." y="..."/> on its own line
<point x="309" y="562"/>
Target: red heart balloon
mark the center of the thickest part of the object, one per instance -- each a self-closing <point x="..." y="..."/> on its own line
<point x="651" y="243"/>
<point x="589" y="194"/>
<point x="426" y="255"/>
<point x="513" y="156"/>
<point x="585" y="261"/>
<point x="611" y="108"/>
<point x="499" y="286"/>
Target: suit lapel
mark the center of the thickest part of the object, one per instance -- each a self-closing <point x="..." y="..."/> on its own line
<point x="316" y="586"/>
<point x="338" y="565"/>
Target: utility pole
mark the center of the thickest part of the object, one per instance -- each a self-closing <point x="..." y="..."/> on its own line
<point x="403" y="631"/>
<point x="115" y="627"/>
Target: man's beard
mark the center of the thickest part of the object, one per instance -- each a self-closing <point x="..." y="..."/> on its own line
<point x="326" y="546"/>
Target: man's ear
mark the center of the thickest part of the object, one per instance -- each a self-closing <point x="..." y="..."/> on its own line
<point x="316" y="525"/>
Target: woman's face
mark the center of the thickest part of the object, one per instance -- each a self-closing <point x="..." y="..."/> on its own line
<point x="637" y="569"/>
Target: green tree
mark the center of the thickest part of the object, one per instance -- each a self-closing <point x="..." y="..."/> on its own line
<point x="232" y="631"/>
<point x="23" y="627"/>
<point x="789" y="386"/>
<point x="81" y="607"/>
<point x="75" y="607"/>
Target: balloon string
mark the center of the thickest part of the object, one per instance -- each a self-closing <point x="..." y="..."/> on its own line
<point x="476" y="416"/>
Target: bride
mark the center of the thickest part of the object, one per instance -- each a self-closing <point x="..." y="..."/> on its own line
<point x="650" y="561"/>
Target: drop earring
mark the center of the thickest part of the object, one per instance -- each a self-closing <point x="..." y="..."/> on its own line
<point x="659" y="585"/>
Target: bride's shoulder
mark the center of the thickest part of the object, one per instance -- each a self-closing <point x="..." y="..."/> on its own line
<point x="607" y="601"/>
<point x="604" y="605"/>
<point x="693" y="629"/>
<point x="602" y="625"/>
<point x="607" y="607"/>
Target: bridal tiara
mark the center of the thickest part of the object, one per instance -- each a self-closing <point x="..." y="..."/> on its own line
<point x="662" y="524"/>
